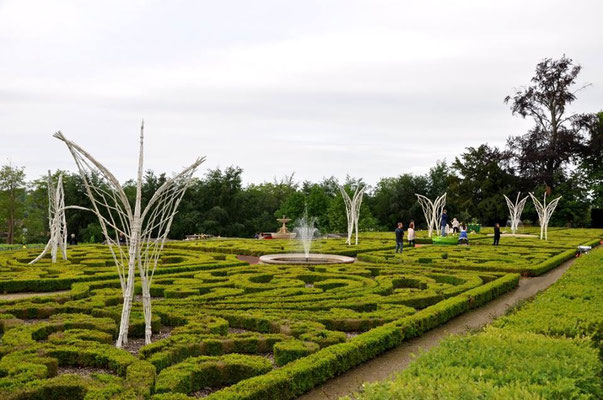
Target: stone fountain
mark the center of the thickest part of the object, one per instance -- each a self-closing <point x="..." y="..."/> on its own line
<point x="305" y="231"/>
<point x="283" y="232"/>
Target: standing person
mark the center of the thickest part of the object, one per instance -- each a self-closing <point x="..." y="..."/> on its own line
<point x="411" y="233"/>
<point x="496" y="234"/>
<point x="399" y="237"/>
<point x="72" y="239"/>
<point x="444" y="223"/>
<point x="455" y="225"/>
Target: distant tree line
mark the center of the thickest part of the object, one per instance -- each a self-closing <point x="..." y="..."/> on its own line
<point x="561" y="154"/>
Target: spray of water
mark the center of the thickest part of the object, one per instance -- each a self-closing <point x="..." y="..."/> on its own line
<point x="305" y="232"/>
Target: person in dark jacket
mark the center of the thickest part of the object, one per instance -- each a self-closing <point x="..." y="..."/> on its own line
<point x="444" y="223"/>
<point x="496" y="234"/>
<point x="399" y="237"/>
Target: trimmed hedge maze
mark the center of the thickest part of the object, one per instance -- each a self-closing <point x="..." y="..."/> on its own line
<point x="86" y="264"/>
<point x="548" y="349"/>
<point x="525" y="255"/>
<point x="254" y="247"/>
<point x="223" y="328"/>
<point x="529" y="261"/>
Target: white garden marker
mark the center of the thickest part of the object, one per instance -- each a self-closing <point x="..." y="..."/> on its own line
<point x="433" y="211"/>
<point x="515" y="210"/>
<point x="143" y="232"/>
<point x="352" y="208"/>
<point x="544" y="213"/>
<point x="56" y="221"/>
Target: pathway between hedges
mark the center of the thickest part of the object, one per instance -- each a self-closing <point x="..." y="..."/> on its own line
<point x="395" y="360"/>
<point x="25" y="295"/>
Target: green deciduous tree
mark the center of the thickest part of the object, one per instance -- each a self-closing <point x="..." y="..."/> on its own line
<point x="591" y="165"/>
<point x="12" y="190"/>
<point x="483" y="176"/>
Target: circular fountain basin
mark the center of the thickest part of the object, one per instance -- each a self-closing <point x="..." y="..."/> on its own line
<point x="301" y="259"/>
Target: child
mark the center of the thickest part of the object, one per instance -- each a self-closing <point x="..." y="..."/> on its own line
<point x="463" y="238"/>
<point x="411" y="234"/>
<point x="455" y="225"/>
<point x="496" y="234"/>
<point x="399" y="237"/>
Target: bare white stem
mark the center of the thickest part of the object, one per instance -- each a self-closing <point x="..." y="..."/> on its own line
<point x="545" y="211"/>
<point x="57" y="223"/>
<point x="136" y="227"/>
<point x="433" y="211"/>
<point x="352" y="207"/>
<point x="515" y="210"/>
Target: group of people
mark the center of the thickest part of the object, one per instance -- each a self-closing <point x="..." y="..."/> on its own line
<point x="457" y="227"/>
<point x="460" y="228"/>
<point x="400" y="236"/>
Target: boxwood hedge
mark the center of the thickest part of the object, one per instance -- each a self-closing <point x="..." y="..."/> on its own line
<point x="264" y="332"/>
<point x="550" y="348"/>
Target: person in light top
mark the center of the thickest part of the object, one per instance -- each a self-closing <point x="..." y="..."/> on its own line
<point x="455" y="225"/>
<point x="411" y="233"/>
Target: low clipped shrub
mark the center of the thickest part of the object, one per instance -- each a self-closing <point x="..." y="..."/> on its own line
<point x="199" y="372"/>
<point x="497" y="364"/>
<point x="290" y="350"/>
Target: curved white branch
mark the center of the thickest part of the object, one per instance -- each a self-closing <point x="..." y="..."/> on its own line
<point x="135" y="227"/>
<point x="515" y="210"/>
<point x="57" y="222"/>
<point x="545" y="211"/>
<point x="352" y="208"/>
<point x="433" y="211"/>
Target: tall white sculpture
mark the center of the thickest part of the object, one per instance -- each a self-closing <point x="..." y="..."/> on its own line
<point x="544" y="213"/>
<point x="352" y="208"/>
<point x="143" y="231"/>
<point x="515" y="210"/>
<point x="433" y="211"/>
<point x="57" y="223"/>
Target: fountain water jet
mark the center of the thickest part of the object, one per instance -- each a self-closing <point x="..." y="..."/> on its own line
<point x="305" y="231"/>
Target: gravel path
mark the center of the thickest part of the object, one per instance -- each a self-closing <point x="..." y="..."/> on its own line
<point x="250" y="259"/>
<point x="16" y="296"/>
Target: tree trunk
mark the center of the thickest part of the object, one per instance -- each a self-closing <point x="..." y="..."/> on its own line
<point x="11" y="217"/>
<point x="146" y="307"/>
<point x="134" y="253"/>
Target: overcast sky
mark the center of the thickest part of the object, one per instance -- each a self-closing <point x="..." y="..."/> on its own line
<point x="319" y="88"/>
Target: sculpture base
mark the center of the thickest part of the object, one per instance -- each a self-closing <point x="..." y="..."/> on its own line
<point x="300" y="259"/>
<point x="279" y="235"/>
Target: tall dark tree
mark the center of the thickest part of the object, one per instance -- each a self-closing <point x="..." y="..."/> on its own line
<point x="394" y="199"/>
<point x="556" y="138"/>
<point x="483" y="177"/>
<point x="592" y="161"/>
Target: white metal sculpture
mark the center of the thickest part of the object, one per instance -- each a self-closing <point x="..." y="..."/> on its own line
<point x="433" y="211"/>
<point x="515" y="210"/>
<point x="143" y="232"/>
<point x="57" y="223"/>
<point x="352" y="208"/>
<point x="544" y="213"/>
